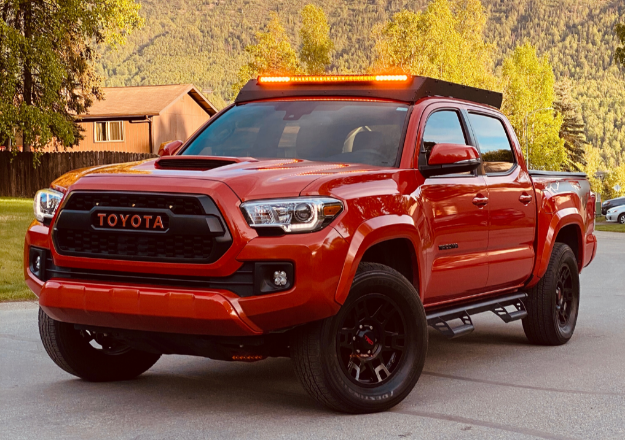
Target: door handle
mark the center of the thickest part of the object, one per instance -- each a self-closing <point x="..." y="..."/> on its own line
<point x="480" y="201"/>
<point x="525" y="198"/>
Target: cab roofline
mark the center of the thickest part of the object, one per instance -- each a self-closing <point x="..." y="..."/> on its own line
<point x="411" y="92"/>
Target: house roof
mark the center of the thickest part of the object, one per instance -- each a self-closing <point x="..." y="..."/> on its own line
<point x="143" y="101"/>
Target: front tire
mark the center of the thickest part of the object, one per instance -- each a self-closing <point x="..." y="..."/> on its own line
<point x="72" y="350"/>
<point x="621" y="219"/>
<point x="368" y="357"/>
<point x="553" y="304"/>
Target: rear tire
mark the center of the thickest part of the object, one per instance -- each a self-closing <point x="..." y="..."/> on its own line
<point x="553" y="304"/>
<point x="71" y="350"/>
<point x="369" y="356"/>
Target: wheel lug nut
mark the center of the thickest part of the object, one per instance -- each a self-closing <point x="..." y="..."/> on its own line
<point x="369" y="351"/>
<point x="361" y="326"/>
<point x="357" y="351"/>
<point x="354" y="338"/>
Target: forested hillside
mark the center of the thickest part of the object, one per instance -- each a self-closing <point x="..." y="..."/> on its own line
<point x="203" y="42"/>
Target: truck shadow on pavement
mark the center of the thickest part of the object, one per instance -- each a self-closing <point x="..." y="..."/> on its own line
<point x="180" y="384"/>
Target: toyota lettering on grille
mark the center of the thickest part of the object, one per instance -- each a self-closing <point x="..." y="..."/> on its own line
<point x="142" y="222"/>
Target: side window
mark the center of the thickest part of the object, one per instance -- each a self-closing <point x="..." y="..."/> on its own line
<point x="497" y="155"/>
<point x="443" y="127"/>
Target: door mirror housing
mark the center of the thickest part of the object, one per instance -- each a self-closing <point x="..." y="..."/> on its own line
<point x="169" y="148"/>
<point x="450" y="159"/>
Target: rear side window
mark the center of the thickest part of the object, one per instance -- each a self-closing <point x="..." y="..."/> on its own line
<point x="497" y="155"/>
<point x="443" y="127"/>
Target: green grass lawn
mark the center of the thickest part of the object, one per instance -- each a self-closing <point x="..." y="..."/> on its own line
<point x="608" y="227"/>
<point x="15" y="216"/>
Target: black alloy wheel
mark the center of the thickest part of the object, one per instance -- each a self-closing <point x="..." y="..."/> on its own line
<point x="369" y="356"/>
<point x="553" y="304"/>
<point x="370" y="341"/>
<point x="564" y="297"/>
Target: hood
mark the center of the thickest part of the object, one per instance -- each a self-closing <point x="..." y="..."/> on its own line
<point x="249" y="178"/>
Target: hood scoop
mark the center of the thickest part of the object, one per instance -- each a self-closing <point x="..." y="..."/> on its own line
<point x="193" y="163"/>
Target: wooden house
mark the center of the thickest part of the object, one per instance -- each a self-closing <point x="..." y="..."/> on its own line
<point x="139" y="119"/>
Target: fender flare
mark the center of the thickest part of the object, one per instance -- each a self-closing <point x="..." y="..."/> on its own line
<point x="372" y="232"/>
<point x="562" y="218"/>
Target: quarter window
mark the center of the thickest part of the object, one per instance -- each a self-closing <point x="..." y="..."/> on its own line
<point x="109" y="131"/>
<point x="497" y="155"/>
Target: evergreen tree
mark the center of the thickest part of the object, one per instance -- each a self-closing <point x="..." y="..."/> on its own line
<point x="572" y="130"/>
<point x="317" y="47"/>
<point x="619" y="55"/>
<point x="47" y="64"/>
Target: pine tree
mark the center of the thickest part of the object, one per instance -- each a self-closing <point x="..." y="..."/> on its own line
<point x="619" y="55"/>
<point x="573" y="127"/>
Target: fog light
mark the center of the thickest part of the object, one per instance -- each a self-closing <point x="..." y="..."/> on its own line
<point x="36" y="262"/>
<point x="279" y="278"/>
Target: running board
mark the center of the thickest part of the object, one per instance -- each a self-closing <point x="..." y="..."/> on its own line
<point x="440" y="319"/>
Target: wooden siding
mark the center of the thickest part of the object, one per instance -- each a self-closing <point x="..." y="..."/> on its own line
<point x="136" y="139"/>
<point x="178" y="121"/>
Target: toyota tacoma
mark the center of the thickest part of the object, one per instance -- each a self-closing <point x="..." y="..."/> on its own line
<point x="329" y="219"/>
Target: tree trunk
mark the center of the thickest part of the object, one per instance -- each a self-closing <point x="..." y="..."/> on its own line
<point x="28" y="75"/>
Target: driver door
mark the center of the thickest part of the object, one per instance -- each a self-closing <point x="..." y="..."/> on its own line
<point x="455" y="216"/>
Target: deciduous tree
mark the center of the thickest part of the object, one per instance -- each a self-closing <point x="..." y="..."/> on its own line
<point x="317" y="46"/>
<point x="48" y="51"/>
<point x="445" y="41"/>
<point x="528" y="89"/>
<point x="271" y="55"/>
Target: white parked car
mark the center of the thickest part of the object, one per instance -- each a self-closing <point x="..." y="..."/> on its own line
<point x="616" y="215"/>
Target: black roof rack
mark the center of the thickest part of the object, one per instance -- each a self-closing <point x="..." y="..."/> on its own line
<point x="420" y="87"/>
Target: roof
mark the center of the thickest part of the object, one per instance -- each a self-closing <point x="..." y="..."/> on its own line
<point x="411" y="91"/>
<point x="143" y="101"/>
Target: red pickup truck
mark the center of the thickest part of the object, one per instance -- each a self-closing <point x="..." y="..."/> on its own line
<point x="326" y="219"/>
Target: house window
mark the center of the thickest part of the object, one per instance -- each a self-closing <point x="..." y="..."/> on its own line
<point x="109" y="131"/>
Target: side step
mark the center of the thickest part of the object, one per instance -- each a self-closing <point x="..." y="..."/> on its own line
<point x="440" y="319"/>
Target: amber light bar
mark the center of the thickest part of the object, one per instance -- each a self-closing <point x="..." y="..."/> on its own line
<point x="308" y="79"/>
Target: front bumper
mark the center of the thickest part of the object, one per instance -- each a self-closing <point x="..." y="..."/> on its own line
<point x="317" y="258"/>
<point x="611" y="217"/>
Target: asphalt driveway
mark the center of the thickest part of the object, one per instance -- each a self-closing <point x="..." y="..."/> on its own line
<point x="490" y="384"/>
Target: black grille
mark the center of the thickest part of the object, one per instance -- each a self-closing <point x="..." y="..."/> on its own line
<point x="195" y="231"/>
<point x="111" y="244"/>
<point x="176" y="204"/>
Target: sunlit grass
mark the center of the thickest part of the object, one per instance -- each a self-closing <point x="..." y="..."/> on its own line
<point x="608" y="227"/>
<point x="15" y="216"/>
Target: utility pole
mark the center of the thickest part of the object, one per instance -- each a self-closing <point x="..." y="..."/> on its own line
<point x="526" y="134"/>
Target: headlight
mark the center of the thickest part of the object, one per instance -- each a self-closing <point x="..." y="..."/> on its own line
<point x="46" y="202"/>
<point x="300" y="214"/>
<point x="610" y="211"/>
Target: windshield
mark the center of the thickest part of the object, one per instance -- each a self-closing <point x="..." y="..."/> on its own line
<point x="328" y="131"/>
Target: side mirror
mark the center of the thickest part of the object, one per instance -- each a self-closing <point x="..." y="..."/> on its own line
<point x="169" y="148"/>
<point x="450" y="159"/>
